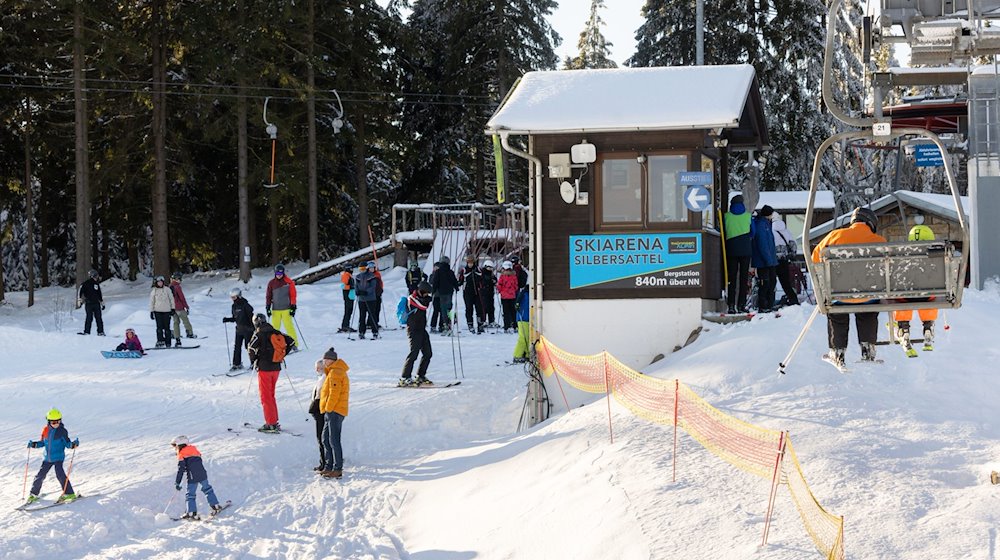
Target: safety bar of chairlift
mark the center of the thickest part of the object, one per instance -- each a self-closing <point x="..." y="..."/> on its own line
<point x="822" y="298"/>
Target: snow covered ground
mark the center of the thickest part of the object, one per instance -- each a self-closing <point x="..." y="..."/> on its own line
<point x="902" y="449"/>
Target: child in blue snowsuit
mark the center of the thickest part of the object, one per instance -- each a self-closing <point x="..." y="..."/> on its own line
<point x="55" y="440"/>
<point x="189" y="461"/>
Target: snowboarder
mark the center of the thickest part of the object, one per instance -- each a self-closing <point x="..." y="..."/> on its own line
<point x="334" y="398"/>
<point x="181" y="308"/>
<point x="267" y="352"/>
<point x="92" y="300"/>
<point x="507" y="288"/>
<point x="927" y="316"/>
<point x="318" y="417"/>
<point x="280" y="302"/>
<point x="443" y="285"/>
<point x="365" y="290"/>
<point x="471" y="278"/>
<point x="242" y="315"/>
<point x="189" y="461"/>
<point x="862" y="229"/>
<point x="161" y="308"/>
<point x="131" y="343"/>
<point x="347" y="287"/>
<point x="785" y="249"/>
<point x="55" y="440"/>
<point x="738" y="253"/>
<point x="523" y="344"/>
<point x="763" y="258"/>
<point x="416" y="333"/>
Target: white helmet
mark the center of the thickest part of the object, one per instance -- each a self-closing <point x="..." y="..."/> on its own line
<point x="506" y="265"/>
<point x="235" y="292"/>
<point x="179" y="440"/>
<point x="488" y="264"/>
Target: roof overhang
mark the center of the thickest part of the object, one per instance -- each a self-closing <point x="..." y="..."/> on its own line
<point x="939" y="204"/>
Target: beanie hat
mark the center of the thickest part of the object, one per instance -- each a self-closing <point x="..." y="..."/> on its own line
<point x="330" y="354"/>
<point x="766" y="211"/>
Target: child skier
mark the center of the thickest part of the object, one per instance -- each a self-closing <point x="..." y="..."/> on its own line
<point x="131" y="343"/>
<point x="333" y="404"/>
<point x="55" y="440"/>
<point x="189" y="461"/>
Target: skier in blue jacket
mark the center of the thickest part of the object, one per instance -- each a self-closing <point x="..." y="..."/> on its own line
<point x="189" y="462"/>
<point x="764" y="258"/>
<point x="55" y="440"/>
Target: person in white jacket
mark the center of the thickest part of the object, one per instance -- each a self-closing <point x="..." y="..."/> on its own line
<point x="784" y="247"/>
<point x="161" y="308"/>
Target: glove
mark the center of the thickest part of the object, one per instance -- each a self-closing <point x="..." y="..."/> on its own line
<point x="30" y="444"/>
<point x="75" y="444"/>
<point x="267" y="310"/>
<point x="173" y="312"/>
<point x="102" y="306"/>
<point x="177" y="486"/>
<point x="228" y="320"/>
<point x="291" y="310"/>
<point x="151" y="315"/>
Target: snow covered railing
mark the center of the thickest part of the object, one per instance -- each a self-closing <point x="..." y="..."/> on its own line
<point x="763" y="452"/>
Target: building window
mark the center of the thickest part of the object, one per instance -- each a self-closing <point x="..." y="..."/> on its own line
<point x="646" y="195"/>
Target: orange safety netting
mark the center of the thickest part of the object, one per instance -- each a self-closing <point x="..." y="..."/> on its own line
<point x="751" y="448"/>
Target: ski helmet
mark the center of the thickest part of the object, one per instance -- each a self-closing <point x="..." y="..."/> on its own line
<point x="515" y="259"/>
<point x="371" y="264"/>
<point x="488" y="264"/>
<point x="176" y="275"/>
<point x="54" y="414"/>
<point x="179" y="440"/>
<point x="507" y="265"/>
<point x="159" y="279"/>
<point x="446" y="260"/>
<point x="865" y="216"/>
<point x="92" y="273"/>
<point x="235" y="292"/>
<point x="279" y="269"/>
<point x="259" y="319"/>
<point x="424" y="287"/>
<point x="921" y="233"/>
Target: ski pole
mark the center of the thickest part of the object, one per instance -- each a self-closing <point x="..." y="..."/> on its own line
<point x="247" y="396"/>
<point x="171" y="500"/>
<point x="69" y="471"/>
<point x="454" y="363"/>
<point x="305" y="345"/>
<point x="784" y="363"/>
<point x="229" y="357"/>
<point x="296" y="393"/>
<point x="461" y="363"/>
<point x="24" y="491"/>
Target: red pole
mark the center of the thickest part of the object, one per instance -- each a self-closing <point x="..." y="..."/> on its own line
<point x="677" y="385"/>
<point x="774" y="486"/>
<point x="274" y="149"/>
<point x="607" y="389"/>
<point x="555" y="373"/>
<point x="24" y="491"/>
<point x="69" y="470"/>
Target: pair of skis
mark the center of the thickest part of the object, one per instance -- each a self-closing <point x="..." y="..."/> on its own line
<point x="38" y="506"/>
<point x="906" y="343"/>
<point x="210" y="517"/>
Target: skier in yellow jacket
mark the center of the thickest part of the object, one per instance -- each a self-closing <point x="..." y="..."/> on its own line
<point x="333" y="405"/>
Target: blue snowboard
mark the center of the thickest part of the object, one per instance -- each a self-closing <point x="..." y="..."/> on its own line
<point x="120" y="354"/>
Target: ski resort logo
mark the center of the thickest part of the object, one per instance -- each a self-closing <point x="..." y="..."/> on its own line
<point x="635" y="261"/>
<point x="685" y="245"/>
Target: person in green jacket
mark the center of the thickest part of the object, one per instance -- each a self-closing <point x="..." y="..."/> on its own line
<point x="738" y="251"/>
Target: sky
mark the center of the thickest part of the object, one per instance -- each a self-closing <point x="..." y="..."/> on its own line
<point x="621" y="19"/>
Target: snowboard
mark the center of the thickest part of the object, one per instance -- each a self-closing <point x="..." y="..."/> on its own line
<point x="121" y="353"/>
<point x="175" y="347"/>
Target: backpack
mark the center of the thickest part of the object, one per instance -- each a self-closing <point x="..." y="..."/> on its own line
<point x="279" y="347"/>
<point x="403" y="311"/>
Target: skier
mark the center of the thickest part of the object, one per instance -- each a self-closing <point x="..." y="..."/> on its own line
<point x="435" y="300"/>
<point x="333" y="405"/>
<point x="181" y="308"/>
<point x="280" y="303"/>
<point x="55" y="440"/>
<point x="416" y="333"/>
<point x="318" y="417"/>
<point x="784" y="248"/>
<point x="379" y="289"/>
<point x="763" y="258"/>
<point x="347" y="287"/>
<point x="267" y="351"/>
<point x="92" y="300"/>
<point x="365" y="290"/>
<point x="131" y="343"/>
<point x="519" y="270"/>
<point x="472" y="279"/>
<point x="927" y="316"/>
<point x="443" y="284"/>
<point x="161" y="308"/>
<point x="738" y="253"/>
<point x="487" y="291"/>
<point x="507" y="288"/>
<point x="414" y="277"/>
<point x="523" y="330"/>
<point x="242" y="315"/>
<point x="862" y="229"/>
<point x="189" y="461"/>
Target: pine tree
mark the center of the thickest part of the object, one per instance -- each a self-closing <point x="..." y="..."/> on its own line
<point x="595" y="49"/>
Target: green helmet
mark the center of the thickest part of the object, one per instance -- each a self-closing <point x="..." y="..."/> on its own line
<point x="54" y="414"/>
<point x="921" y="233"/>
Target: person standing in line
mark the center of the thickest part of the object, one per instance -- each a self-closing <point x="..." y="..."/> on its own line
<point x="417" y="335"/>
<point x="785" y="249"/>
<point x="333" y="404"/>
<point x="161" y="308"/>
<point x="181" y="308"/>
<point x="365" y="288"/>
<point x="520" y="271"/>
<point x="280" y="303"/>
<point x="379" y="289"/>
<point x="507" y="287"/>
<point x="523" y="345"/>
<point x="55" y="440"/>
<point x="444" y="284"/>
<point x="738" y="252"/>
<point x="487" y="294"/>
<point x="242" y="315"/>
<point x="267" y="351"/>
<point x="471" y="279"/>
<point x="93" y="301"/>
<point x="414" y="277"/>
<point x="347" y="290"/>
<point x="189" y="462"/>
<point x="314" y="410"/>
<point x="763" y="258"/>
<point x="435" y="300"/>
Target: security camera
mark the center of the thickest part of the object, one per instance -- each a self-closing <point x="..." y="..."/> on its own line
<point x="641" y="159"/>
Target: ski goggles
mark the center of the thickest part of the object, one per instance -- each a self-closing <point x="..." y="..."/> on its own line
<point x="55" y="421"/>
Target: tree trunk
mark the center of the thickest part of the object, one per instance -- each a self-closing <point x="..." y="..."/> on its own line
<point x="311" y="117"/>
<point x="29" y="204"/>
<point x="132" y="249"/>
<point x="80" y="148"/>
<point x="43" y="245"/>
<point x="161" y="242"/>
<point x="361" y="176"/>
<point x="241" y="163"/>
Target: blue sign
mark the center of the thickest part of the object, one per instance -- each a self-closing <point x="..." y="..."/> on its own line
<point x="694" y="177"/>
<point x="697" y="198"/>
<point x="641" y="260"/>
<point x="927" y="155"/>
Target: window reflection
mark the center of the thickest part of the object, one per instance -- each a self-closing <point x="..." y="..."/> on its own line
<point x="666" y="196"/>
<point x="621" y="191"/>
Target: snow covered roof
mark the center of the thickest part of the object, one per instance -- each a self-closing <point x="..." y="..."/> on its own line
<point x="628" y="99"/>
<point x="783" y="201"/>
<point x="940" y="204"/>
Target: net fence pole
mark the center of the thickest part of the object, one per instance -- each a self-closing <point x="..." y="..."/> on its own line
<point x="677" y="390"/>
<point x="607" y="389"/>
<point x="775" y="481"/>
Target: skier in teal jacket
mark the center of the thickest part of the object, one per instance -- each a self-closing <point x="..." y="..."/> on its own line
<point x="55" y="440"/>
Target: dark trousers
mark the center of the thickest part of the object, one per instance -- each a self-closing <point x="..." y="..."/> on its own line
<point x="334" y="452"/>
<point x="93" y="310"/>
<point x="784" y="274"/>
<point x="838" y="326"/>
<point x="436" y="315"/>
<point x="367" y="317"/>
<point x="36" y="486"/>
<point x="446" y="301"/>
<point x="241" y="341"/>
<point x="473" y="303"/>
<point x="377" y="310"/>
<point x="320" y="420"/>
<point x="420" y="342"/>
<point x="739" y="273"/>
<point x="509" y="313"/>
<point x="163" y="331"/>
<point x="489" y="308"/>
<point x="345" y="323"/>
<point x="767" y="279"/>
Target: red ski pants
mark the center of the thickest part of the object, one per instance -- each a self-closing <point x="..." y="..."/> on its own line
<point x="266" y="380"/>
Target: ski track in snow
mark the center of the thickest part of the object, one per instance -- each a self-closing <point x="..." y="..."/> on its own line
<point x="902" y="449"/>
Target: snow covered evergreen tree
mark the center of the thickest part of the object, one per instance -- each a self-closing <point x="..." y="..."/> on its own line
<point x="595" y="49"/>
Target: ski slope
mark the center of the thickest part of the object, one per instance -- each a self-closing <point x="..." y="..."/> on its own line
<point x="902" y="449"/>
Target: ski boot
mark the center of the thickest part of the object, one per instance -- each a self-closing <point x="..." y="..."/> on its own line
<point x="421" y="380"/>
<point x="217" y="508"/>
<point x="868" y="352"/>
<point x="177" y="344"/>
<point x="903" y="338"/>
<point x="236" y="367"/>
<point x="837" y="356"/>
<point x="66" y="498"/>
<point x="405" y="382"/>
<point x="270" y="428"/>
<point x="31" y="499"/>
<point x="191" y="335"/>
<point x="191" y="516"/>
<point x="929" y="336"/>
<point x="161" y="344"/>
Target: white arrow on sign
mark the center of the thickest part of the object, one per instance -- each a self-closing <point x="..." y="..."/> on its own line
<point x="697" y="198"/>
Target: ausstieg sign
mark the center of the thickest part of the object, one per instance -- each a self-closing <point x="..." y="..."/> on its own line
<point x="666" y="260"/>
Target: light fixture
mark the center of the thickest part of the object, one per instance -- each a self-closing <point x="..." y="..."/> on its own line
<point x="918" y="219"/>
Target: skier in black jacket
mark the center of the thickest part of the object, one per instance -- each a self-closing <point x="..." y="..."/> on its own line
<point x="416" y="332"/>
<point x="93" y="302"/>
<point x="443" y="286"/>
<point x="243" y="317"/>
<point x="472" y="278"/>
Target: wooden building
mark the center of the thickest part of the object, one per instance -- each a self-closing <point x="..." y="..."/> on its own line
<point x="620" y="261"/>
